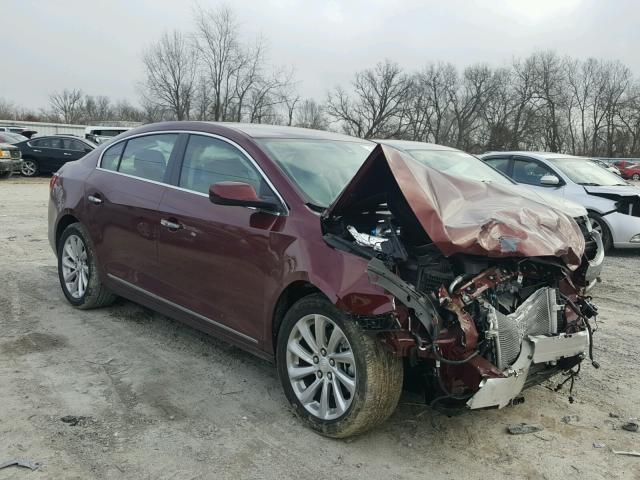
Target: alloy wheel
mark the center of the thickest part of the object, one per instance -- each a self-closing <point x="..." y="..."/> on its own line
<point x="29" y="168"/>
<point x="75" y="269"/>
<point x="321" y="367"/>
<point x="596" y="225"/>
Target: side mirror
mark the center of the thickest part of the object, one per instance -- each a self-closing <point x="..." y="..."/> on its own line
<point x="239" y="194"/>
<point x="549" y="181"/>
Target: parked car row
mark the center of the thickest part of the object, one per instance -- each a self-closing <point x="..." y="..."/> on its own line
<point x="351" y="264"/>
<point x="612" y="203"/>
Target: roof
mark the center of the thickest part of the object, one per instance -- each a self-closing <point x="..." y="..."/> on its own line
<point x="410" y="145"/>
<point x="537" y="155"/>
<point x="261" y="130"/>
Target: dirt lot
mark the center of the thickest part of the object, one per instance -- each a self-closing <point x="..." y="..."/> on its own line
<point x="158" y="400"/>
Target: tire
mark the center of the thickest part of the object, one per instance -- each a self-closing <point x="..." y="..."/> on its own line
<point x="30" y="167"/>
<point x="5" y="175"/>
<point x="635" y="176"/>
<point x="75" y="242"/>
<point x="597" y="223"/>
<point x="376" y="380"/>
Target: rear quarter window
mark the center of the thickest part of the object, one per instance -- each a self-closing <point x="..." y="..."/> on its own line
<point x="111" y="157"/>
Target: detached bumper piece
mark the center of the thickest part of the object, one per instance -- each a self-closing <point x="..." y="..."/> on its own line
<point x="498" y="392"/>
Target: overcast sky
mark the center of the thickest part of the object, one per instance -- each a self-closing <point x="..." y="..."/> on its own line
<point x="96" y="45"/>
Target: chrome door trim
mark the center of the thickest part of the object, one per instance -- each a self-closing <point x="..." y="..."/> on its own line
<point x="194" y="132"/>
<point x="181" y="308"/>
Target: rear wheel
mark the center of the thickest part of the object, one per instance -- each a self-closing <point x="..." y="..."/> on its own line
<point x="598" y="224"/>
<point x="78" y="270"/>
<point x="338" y="378"/>
<point x="635" y="176"/>
<point x="29" y="168"/>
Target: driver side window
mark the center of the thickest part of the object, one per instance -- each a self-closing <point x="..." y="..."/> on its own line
<point x="529" y="171"/>
<point x="209" y="160"/>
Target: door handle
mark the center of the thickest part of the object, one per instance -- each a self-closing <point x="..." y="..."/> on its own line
<point x="39" y="151"/>
<point x="95" y="199"/>
<point x="67" y="154"/>
<point x="171" y="225"/>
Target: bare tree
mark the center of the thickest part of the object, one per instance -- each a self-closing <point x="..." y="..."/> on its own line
<point x="310" y="114"/>
<point x="170" y="68"/>
<point x="67" y="105"/>
<point x="378" y="105"/>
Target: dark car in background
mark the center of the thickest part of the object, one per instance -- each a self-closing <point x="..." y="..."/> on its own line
<point x="48" y="154"/>
<point x="340" y="259"/>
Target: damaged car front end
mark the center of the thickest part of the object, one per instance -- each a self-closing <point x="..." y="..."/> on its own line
<point x="489" y="286"/>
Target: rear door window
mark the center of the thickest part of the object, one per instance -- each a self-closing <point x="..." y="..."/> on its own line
<point x="111" y="157"/>
<point x="501" y="164"/>
<point x="147" y="157"/>
<point x="75" y="145"/>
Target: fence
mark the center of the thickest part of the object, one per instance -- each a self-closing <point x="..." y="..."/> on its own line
<point x="44" y="128"/>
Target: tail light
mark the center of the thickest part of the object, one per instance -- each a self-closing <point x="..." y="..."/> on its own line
<point x="54" y="180"/>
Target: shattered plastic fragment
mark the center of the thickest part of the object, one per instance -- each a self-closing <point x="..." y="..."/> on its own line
<point x="523" y="428"/>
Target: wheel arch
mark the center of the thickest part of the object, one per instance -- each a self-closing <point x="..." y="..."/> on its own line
<point x="64" y="221"/>
<point x="291" y="294"/>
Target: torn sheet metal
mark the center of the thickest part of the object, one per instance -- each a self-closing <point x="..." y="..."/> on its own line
<point x="461" y="215"/>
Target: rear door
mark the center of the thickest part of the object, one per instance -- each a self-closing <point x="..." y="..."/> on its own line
<point x="217" y="261"/>
<point x="122" y="197"/>
<point x="73" y="149"/>
<point x="48" y="152"/>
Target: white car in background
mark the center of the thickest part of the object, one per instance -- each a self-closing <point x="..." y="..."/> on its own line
<point x="100" y="135"/>
<point x="612" y="203"/>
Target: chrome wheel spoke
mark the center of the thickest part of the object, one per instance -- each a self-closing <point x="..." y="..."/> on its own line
<point x="341" y="404"/>
<point x="305" y="331"/>
<point x="307" y="395"/>
<point x="320" y="326"/>
<point x="295" y="348"/>
<point x="324" y="400"/>
<point x="296" y="373"/>
<point x="343" y="357"/>
<point x="348" y="382"/>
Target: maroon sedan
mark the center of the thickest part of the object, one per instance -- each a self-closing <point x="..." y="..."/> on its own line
<point x="349" y="264"/>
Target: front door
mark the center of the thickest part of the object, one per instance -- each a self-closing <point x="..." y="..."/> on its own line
<point x="122" y="197"/>
<point x="528" y="171"/>
<point x="217" y="261"/>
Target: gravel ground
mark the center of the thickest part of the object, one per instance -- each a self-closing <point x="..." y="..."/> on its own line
<point x="155" y="399"/>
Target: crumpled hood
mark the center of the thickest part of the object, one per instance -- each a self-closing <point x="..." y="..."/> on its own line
<point x="464" y="216"/>
<point x="622" y="190"/>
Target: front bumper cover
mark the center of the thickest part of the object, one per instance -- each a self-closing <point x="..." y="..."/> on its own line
<point x="499" y="392"/>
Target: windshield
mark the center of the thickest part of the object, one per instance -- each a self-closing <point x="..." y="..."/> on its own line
<point x="12" y="137"/>
<point x="319" y="168"/>
<point x="584" y="172"/>
<point x="459" y="164"/>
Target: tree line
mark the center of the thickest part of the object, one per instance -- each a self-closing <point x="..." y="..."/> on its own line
<point x="544" y="101"/>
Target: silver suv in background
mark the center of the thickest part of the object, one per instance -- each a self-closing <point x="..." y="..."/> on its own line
<point x="613" y="204"/>
<point x="100" y="135"/>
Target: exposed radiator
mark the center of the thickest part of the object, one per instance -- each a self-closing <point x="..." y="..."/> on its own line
<point x="538" y="315"/>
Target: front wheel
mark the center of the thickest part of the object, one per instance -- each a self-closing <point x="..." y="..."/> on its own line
<point x="635" y="176"/>
<point x="598" y="224"/>
<point x="339" y="379"/>
<point x="29" y="167"/>
<point x="78" y="270"/>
